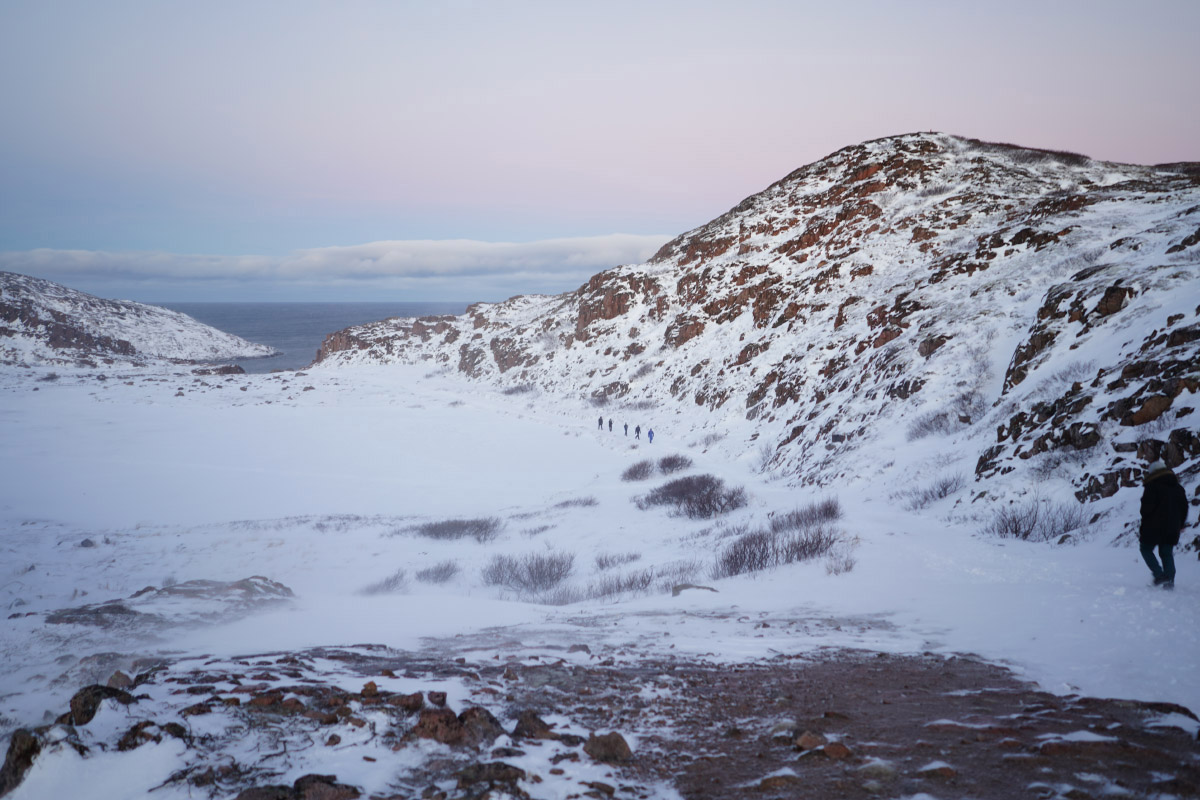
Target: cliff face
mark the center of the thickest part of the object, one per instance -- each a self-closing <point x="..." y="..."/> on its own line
<point x="1035" y="309"/>
<point x="44" y="322"/>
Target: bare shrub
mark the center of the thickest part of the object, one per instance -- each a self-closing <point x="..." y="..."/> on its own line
<point x="695" y="496"/>
<point x="639" y="471"/>
<point x="49" y="377"/>
<point x="932" y="423"/>
<point x="808" y="516"/>
<point x="674" y="573"/>
<point x="520" y="388"/>
<point x="764" y="457"/>
<point x="673" y="463"/>
<point x="764" y="549"/>
<point x="712" y="439"/>
<point x="840" y="560"/>
<point x="482" y="530"/>
<point x="537" y="530"/>
<point x="939" y="489"/>
<point x="394" y="583"/>
<point x="438" y="573"/>
<point x="578" y="502"/>
<point x="1048" y="465"/>
<point x="598" y="400"/>
<point x="969" y="406"/>
<point x="642" y="371"/>
<point x="535" y="572"/>
<point x="1038" y="520"/>
<point x="611" y="585"/>
<point x="609" y="560"/>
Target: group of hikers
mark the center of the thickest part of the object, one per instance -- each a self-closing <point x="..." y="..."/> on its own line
<point x="637" y="430"/>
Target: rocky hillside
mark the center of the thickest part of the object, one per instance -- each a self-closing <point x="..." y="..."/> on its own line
<point x="47" y="323"/>
<point x="1033" y="315"/>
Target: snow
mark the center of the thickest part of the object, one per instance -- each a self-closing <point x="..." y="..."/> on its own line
<point x="319" y="490"/>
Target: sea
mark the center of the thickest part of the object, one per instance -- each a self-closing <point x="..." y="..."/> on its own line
<point x="296" y="330"/>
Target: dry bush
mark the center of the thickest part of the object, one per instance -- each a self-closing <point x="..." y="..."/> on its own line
<point x="609" y="560"/>
<point x="578" y="502"/>
<point x="642" y="371"/>
<point x="611" y="585"/>
<point x="639" y="471"/>
<point x="394" y="583"/>
<point x="763" y="457"/>
<point x="695" y="497"/>
<point x="520" y="388"/>
<point x="482" y="530"/>
<point x="673" y="463"/>
<point x="808" y="516"/>
<point x="764" y="549"/>
<point x="677" y="572"/>
<point x="438" y="573"/>
<point x="1038" y="521"/>
<point x="932" y="423"/>
<point x="536" y="530"/>
<point x="939" y="489"/>
<point x="532" y="573"/>
<point x="840" y="560"/>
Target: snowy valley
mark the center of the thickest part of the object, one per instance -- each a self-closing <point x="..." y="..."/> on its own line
<point x="879" y="546"/>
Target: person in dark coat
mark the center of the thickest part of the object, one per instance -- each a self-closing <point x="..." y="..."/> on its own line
<point x="626" y="428"/>
<point x="650" y="435"/>
<point x="600" y="424"/>
<point x="610" y="425"/>
<point x="1164" y="513"/>
<point x="637" y="432"/>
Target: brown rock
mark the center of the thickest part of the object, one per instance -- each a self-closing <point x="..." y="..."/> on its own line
<point x="492" y="773"/>
<point x="531" y="726"/>
<point x="608" y="748"/>
<point x="323" y="787"/>
<point x="810" y="741"/>
<point x="23" y="747"/>
<point x="86" y="702"/>
<point x="370" y="689"/>
<point x="836" y="751"/>
<point x="408" y="702"/>
<point x="437" y="698"/>
<point x="779" y="782"/>
<point x="120" y="680"/>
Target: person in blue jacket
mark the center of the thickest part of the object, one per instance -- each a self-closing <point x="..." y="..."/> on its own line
<point x="650" y="435"/>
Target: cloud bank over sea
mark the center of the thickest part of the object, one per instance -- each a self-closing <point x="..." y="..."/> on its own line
<point x="420" y="269"/>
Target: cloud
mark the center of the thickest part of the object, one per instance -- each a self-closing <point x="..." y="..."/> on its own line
<point x="409" y="264"/>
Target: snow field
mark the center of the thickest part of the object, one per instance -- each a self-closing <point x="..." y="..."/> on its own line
<point x="320" y="489"/>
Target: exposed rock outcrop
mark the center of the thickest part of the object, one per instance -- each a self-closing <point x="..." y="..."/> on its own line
<point x="1041" y="303"/>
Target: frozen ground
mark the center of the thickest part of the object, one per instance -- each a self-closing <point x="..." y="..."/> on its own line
<point x="171" y="478"/>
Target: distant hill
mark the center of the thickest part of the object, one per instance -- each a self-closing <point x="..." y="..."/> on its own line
<point x="1031" y="318"/>
<point x="46" y="323"/>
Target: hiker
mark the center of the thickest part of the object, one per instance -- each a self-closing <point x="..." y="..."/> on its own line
<point x="626" y="428"/>
<point x="600" y="424"/>
<point x="1164" y="513"/>
<point x="650" y="435"/>
<point x="610" y="424"/>
<point x="637" y="432"/>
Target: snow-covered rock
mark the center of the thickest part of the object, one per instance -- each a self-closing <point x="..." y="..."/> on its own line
<point x="46" y="323"/>
<point x="1038" y="308"/>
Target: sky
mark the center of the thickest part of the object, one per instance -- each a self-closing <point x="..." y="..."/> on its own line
<point x="470" y="151"/>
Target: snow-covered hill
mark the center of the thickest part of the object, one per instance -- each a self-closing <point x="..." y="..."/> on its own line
<point x="46" y="323"/>
<point x="1034" y="311"/>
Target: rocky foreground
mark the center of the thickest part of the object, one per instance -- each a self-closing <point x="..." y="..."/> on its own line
<point x="326" y="724"/>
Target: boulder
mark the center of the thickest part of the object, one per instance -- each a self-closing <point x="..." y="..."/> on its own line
<point x="608" y="748"/>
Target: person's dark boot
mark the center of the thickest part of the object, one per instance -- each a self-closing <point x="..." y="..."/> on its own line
<point x="1159" y="580"/>
<point x="1168" y="584"/>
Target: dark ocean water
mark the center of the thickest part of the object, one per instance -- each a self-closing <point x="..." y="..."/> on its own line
<point x="297" y="329"/>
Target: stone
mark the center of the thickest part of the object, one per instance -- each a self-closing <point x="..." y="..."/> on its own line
<point x="86" y="702"/>
<point x="479" y="726"/>
<point x="836" y="751"/>
<point x="608" y="748"/>
<point x="779" y="782"/>
<point x="408" y="702"/>
<point x="119" y="680"/>
<point x="437" y="698"/>
<point x="137" y="736"/>
<point x="531" y="726"/>
<point x="323" y="787"/>
<point x="810" y="741"/>
<point x="23" y="748"/>
<point x="370" y="689"/>
<point x="492" y="773"/>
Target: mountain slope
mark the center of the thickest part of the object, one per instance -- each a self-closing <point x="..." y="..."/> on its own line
<point x="45" y="322"/>
<point x="1025" y="316"/>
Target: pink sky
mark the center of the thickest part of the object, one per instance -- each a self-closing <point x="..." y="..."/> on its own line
<point x="260" y="129"/>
